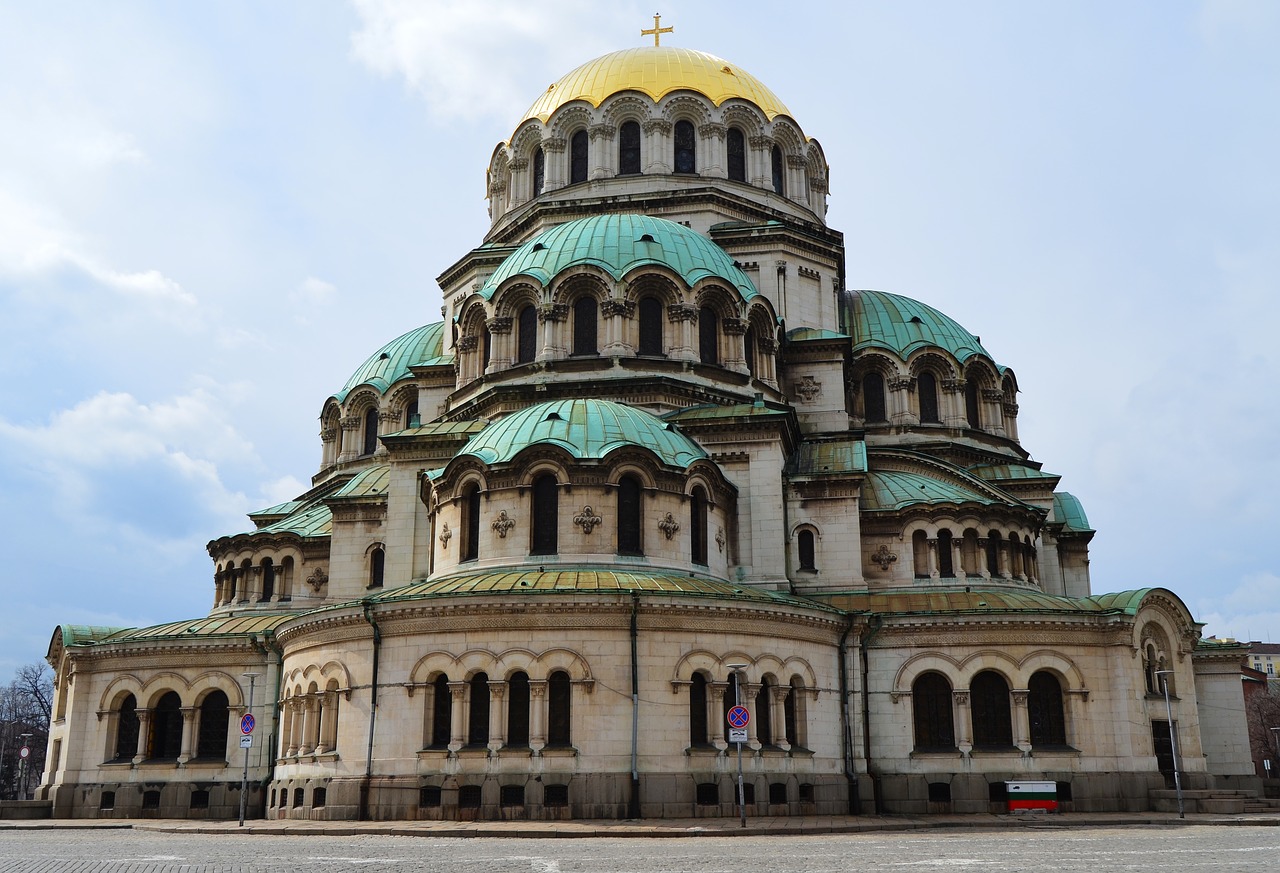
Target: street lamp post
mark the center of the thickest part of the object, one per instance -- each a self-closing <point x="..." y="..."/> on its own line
<point x="1173" y="738"/>
<point x="244" y="779"/>
<point x="742" y="797"/>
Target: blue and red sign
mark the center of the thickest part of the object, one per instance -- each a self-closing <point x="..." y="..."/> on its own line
<point x="738" y="717"/>
<point x="246" y="724"/>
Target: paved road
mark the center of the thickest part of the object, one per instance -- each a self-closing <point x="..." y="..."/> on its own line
<point x="1136" y="849"/>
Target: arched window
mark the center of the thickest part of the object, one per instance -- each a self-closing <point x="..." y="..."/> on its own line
<point x="993" y="553"/>
<point x="127" y="729"/>
<point x="546" y="515"/>
<point x="873" y="398"/>
<point x="698" y="710"/>
<point x="779" y="178"/>
<point x="927" y="388"/>
<point x="629" y="514"/>
<point x="686" y="148"/>
<point x="527" y="336"/>
<point x="584" y="326"/>
<point x="471" y="522"/>
<point x="268" y="580"/>
<point x="486" y="348"/>
<point x="411" y="414"/>
<point x="1044" y="710"/>
<point x="1150" y="664"/>
<point x="805" y="548"/>
<point x="559" y="714"/>
<point x="539" y="171"/>
<point x="989" y="703"/>
<point x="518" y="710"/>
<point x="749" y="349"/>
<point x="578" y="157"/>
<point x="166" y="728"/>
<point x="629" y="149"/>
<point x="478" y="712"/>
<point x="932" y="714"/>
<point x="793" y="714"/>
<point x="370" y="430"/>
<point x="731" y="696"/>
<point x="708" y="336"/>
<point x="377" y="567"/>
<point x="698" y="525"/>
<point x="211" y="741"/>
<point x="650" y="313"/>
<point x="737" y="144"/>
<point x="971" y="409"/>
<point x="764" y="712"/>
<point x="441" y="712"/>
<point x="946" y="567"/>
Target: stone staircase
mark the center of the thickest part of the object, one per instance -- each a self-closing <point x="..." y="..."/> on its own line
<point x="1214" y="801"/>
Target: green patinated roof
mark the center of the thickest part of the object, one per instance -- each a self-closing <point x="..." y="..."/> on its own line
<point x="902" y="325"/>
<point x="1007" y="472"/>
<point x="1067" y="509"/>
<point x="916" y="602"/>
<point x="391" y="363"/>
<point x="314" y="521"/>
<point x="369" y="481"/>
<point x="84" y="634"/>
<point x="279" y="509"/>
<point x="586" y="429"/>
<point x="212" y="626"/>
<point x="714" y="412"/>
<point x="890" y="490"/>
<point x="800" y="334"/>
<point x="615" y="243"/>
<point x="830" y="457"/>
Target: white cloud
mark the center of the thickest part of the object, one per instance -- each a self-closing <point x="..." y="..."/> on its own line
<point x="314" y="292"/>
<point x="1250" y="610"/>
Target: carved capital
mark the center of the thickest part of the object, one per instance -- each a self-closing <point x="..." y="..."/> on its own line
<point x="795" y="161"/>
<point x="553" y="311"/>
<point x="954" y="386"/>
<point x="761" y="142"/>
<point x="499" y="324"/>
<point x="601" y="131"/>
<point x="734" y="326"/>
<point x="468" y="343"/>
<point x="682" y="312"/>
<point x="899" y="383"/>
<point x="519" y="163"/>
<point x="351" y="422"/>
<point x="657" y="125"/>
<point x="992" y="395"/>
<point x="553" y="144"/>
<point x="712" y="129"/>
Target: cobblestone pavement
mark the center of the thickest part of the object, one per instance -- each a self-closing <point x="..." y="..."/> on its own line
<point x="1242" y="849"/>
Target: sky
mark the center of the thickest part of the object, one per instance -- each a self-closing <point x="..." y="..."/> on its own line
<point x="212" y="212"/>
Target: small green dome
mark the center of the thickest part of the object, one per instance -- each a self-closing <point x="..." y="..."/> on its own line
<point x="586" y="429"/>
<point x="391" y="363"/>
<point x="618" y="244"/>
<point x="902" y="325"/>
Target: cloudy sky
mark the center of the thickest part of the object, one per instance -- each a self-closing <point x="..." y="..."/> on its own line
<point x="212" y="212"/>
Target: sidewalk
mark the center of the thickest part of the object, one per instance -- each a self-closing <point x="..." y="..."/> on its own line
<point x="701" y="827"/>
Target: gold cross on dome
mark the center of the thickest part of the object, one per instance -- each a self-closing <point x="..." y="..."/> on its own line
<point x="657" y="29"/>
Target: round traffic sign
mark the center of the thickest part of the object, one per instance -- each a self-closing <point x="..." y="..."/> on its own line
<point x="738" y="717"/>
<point x="24" y="752"/>
<point x="246" y="724"/>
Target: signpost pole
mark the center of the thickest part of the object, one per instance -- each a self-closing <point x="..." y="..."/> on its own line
<point x="1173" y="738"/>
<point x="737" y="684"/>
<point x="244" y="779"/>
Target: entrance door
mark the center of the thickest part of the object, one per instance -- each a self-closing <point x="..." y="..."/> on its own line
<point x="1163" y="743"/>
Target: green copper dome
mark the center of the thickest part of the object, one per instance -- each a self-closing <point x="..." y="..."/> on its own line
<point x="618" y="244"/>
<point x="391" y="363"/>
<point x="902" y="325"/>
<point x="586" y="429"/>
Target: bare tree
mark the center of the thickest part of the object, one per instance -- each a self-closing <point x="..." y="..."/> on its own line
<point x="1262" y="711"/>
<point x="25" y="709"/>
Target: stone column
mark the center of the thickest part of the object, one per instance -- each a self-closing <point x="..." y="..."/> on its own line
<point x="457" y="715"/>
<point x="684" y="316"/>
<point x="957" y="556"/>
<point x="188" y="734"/>
<point x="144" y="734"/>
<point x="960" y="718"/>
<point x="326" y="719"/>
<point x="502" y="353"/>
<point x="497" y="714"/>
<point x="1021" y="719"/>
<point x="520" y="185"/>
<point x="1002" y="558"/>
<point x="711" y="151"/>
<point x="603" y="164"/>
<point x="349" y="440"/>
<point x="388" y="422"/>
<point x="537" y="714"/>
<point x="550" y="315"/>
<point x="735" y="349"/>
<point x="555" y="168"/>
<point x="778" y="698"/>
<point x="656" y="154"/>
<point x="932" y="554"/>
<point x="760" y="162"/>
<point x="288" y="746"/>
<point x="899" y="401"/>
<point x="984" y="543"/>
<point x="310" y="726"/>
<point x="715" y="713"/>
<point x="615" y="314"/>
<point x="747" y="695"/>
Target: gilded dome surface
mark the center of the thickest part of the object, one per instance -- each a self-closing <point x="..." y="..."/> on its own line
<point x="656" y="71"/>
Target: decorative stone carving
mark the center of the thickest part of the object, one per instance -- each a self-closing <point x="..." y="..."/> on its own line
<point x="955" y="386"/>
<point x="712" y="128"/>
<point x="900" y="383"/>
<point x="318" y="579"/>
<point x="601" y="131"/>
<point x="993" y="395"/>
<point x="503" y="524"/>
<point x="468" y="343"/>
<point x="734" y="326"/>
<point x="587" y="519"/>
<point x="808" y="389"/>
<point x="761" y="142"/>
<point x="445" y="536"/>
<point x="1010" y="409"/>
<point x="668" y="525"/>
<point x="678" y="312"/>
<point x="499" y="324"/>
<point x="611" y="306"/>
<point x="657" y="125"/>
<point x="720" y="540"/>
<point x="553" y="311"/>
<point x="883" y="557"/>
<point x="553" y="145"/>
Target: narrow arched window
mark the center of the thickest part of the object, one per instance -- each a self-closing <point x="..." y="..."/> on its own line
<point x="708" y="336"/>
<point x="989" y="703"/>
<point x="946" y="566"/>
<point x="527" y="336"/>
<point x="629" y="149"/>
<point x="920" y="554"/>
<point x="629" y="514"/>
<point x="1044" y="710"/>
<point x="931" y="712"/>
<point x="698" y="525"/>
<point x="873" y="398"/>
<point x="650" y="314"/>
<point x="377" y="567"/>
<point x="686" y="148"/>
<point x="518" y="710"/>
<point x="478" y="711"/>
<point x="471" y="522"/>
<point x="441" y="712"/>
<point x="166" y="728"/>
<point x="584" y="326"/>
<point x="268" y="580"/>
<point x="927" y="388"/>
<point x="737" y="145"/>
<point x="370" y="430"/>
<point x="211" y="740"/>
<point x="972" y="410"/>
<point x="791" y="716"/>
<point x="764" y="712"/>
<point x="411" y="418"/>
<point x="546" y="515"/>
<point x="559" y="713"/>
<point x="749" y="349"/>
<point x="578" y="157"/>
<point x="486" y="348"/>
<point x="993" y="553"/>
<point x="805" y="548"/>
<point x="698" y="710"/>
<point x="127" y="729"/>
<point x="539" y="171"/>
<point x="779" y="178"/>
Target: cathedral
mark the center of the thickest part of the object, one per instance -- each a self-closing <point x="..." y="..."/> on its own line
<point x="657" y="460"/>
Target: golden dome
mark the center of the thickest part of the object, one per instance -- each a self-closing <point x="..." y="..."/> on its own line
<point x="656" y="71"/>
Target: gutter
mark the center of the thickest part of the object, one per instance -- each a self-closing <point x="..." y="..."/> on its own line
<point x="633" y="810"/>
<point x="846" y="738"/>
<point x="373" y="712"/>
<point x="876" y="623"/>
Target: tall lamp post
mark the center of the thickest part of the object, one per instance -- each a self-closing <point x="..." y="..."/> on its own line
<point x="1173" y="738"/>
<point x="737" y="685"/>
<point x="244" y="779"/>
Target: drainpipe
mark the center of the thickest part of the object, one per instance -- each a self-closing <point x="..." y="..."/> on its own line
<point x="846" y="736"/>
<point x="373" y="711"/>
<point x="634" y="808"/>
<point x="876" y="623"/>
